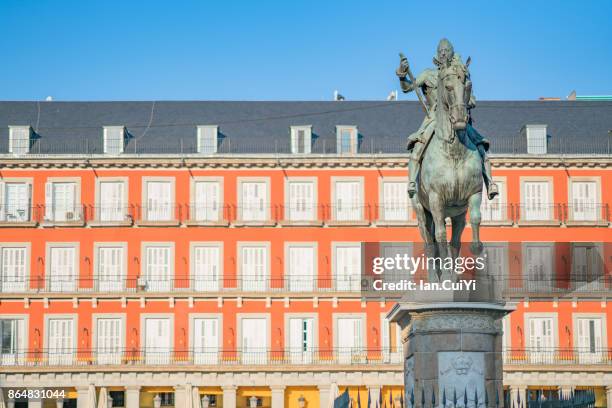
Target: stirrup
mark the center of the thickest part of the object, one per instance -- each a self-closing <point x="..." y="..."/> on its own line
<point x="493" y="191"/>
<point x="412" y="188"/>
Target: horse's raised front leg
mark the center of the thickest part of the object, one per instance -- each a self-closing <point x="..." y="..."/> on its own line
<point x="474" y="205"/>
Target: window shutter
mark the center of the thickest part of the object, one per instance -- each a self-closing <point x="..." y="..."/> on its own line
<point x="48" y="201"/>
<point x="3" y="209"/>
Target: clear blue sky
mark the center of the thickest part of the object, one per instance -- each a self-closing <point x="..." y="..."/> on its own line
<point x="295" y="50"/>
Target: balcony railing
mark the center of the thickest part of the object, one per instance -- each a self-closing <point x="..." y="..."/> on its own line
<point x="159" y="213"/>
<point x="586" y="213"/>
<point x="17" y="213"/>
<point x="70" y="357"/>
<point x="525" y="286"/>
<point x="538" y="213"/>
<point x="110" y="214"/>
<point x="558" y="356"/>
<point x="200" y="213"/>
<point x="350" y="213"/>
<point x="71" y="214"/>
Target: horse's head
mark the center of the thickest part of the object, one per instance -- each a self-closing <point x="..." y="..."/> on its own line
<point x="454" y="92"/>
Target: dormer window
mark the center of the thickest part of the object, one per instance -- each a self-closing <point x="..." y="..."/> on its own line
<point x="301" y="139"/>
<point x="536" y="139"/>
<point x="346" y="139"/>
<point x="19" y="139"/>
<point x="207" y="139"/>
<point x="114" y="139"/>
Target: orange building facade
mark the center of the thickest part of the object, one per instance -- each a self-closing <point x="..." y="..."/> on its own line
<point x="236" y="275"/>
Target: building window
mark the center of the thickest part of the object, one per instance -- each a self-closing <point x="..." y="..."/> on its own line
<point x="15" y="201"/>
<point x="207" y="201"/>
<point x="110" y="265"/>
<point x="167" y="399"/>
<point x="112" y="197"/>
<point x="301" y="204"/>
<point x="536" y="139"/>
<point x="301" y="340"/>
<point x="254" y="340"/>
<point x="540" y="341"/>
<point x="118" y="398"/>
<point x="109" y="342"/>
<point x="206" y="267"/>
<point x="583" y="204"/>
<point x="346" y="139"/>
<point x="395" y="204"/>
<point x="11" y="332"/>
<point x="254" y="201"/>
<point x="157" y="344"/>
<point x="207" y="139"/>
<point x="590" y="340"/>
<point x="206" y="340"/>
<point x="158" y="268"/>
<point x="587" y="262"/>
<point x="349" y="343"/>
<point x="301" y="267"/>
<point x="537" y="204"/>
<point x="494" y="210"/>
<point x="61" y="203"/>
<point x="538" y="266"/>
<point x="13" y="269"/>
<point x="347" y="262"/>
<point x="60" y="341"/>
<point x="62" y="263"/>
<point x="20" y="139"/>
<point x="348" y="204"/>
<point x="301" y="139"/>
<point x="254" y="266"/>
<point x="114" y="139"/>
<point x="158" y="201"/>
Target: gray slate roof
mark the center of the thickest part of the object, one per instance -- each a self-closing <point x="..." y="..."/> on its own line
<point x="574" y="127"/>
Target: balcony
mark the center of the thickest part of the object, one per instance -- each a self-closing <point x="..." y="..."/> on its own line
<point x="538" y="214"/>
<point x="162" y="215"/>
<point x="110" y="216"/>
<point x="523" y="287"/>
<point x="394" y="215"/>
<point x="214" y="358"/>
<point x="260" y="214"/>
<point x="349" y="214"/>
<point x="586" y="214"/>
<point x="206" y="215"/>
<point x="538" y="356"/>
<point x="302" y="215"/>
<point x="62" y="216"/>
<point x="496" y="214"/>
<point x="18" y="216"/>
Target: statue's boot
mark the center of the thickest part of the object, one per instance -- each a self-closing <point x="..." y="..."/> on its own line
<point x="492" y="190"/>
<point x="412" y="188"/>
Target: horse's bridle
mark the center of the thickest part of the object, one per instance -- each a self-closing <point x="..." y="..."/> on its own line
<point x="446" y="102"/>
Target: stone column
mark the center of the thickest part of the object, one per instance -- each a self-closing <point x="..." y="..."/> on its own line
<point x="278" y="396"/>
<point x="82" y="397"/>
<point x="229" y="396"/>
<point x="515" y="391"/>
<point x="180" y="393"/>
<point x="374" y="391"/>
<point x="132" y="396"/>
<point x="324" y="395"/>
<point x="609" y="396"/>
<point x="35" y="403"/>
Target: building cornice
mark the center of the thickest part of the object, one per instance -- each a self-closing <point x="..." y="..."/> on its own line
<point x="388" y="161"/>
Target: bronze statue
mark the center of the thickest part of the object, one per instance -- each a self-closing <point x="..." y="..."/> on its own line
<point x="427" y="83"/>
<point x="448" y="156"/>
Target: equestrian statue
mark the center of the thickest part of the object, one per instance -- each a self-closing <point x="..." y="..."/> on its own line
<point x="448" y="157"/>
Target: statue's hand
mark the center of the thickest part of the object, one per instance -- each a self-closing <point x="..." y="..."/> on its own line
<point x="402" y="70"/>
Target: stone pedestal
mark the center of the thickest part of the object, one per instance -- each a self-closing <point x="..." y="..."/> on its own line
<point x="452" y="350"/>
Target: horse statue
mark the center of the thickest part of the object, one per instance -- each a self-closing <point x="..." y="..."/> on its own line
<point x="450" y="177"/>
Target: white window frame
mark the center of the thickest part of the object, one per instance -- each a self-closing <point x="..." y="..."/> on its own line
<point x="122" y="206"/>
<point x="157" y="286"/>
<point x="212" y="359"/>
<point x="12" y="139"/>
<point x="360" y="199"/>
<point x="258" y="357"/>
<point x="122" y="335"/>
<point x="585" y="357"/>
<point x="303" y="284"/>
<point x="50" y="205"/>
<point x="545" y="284"/>
<point x="143" y="337"/>
<point x="20" y="355"/>
<point x="354" y="285"/>
<point x="489" y="209"/>
<point x="301" y="356"/>
<point x="548" y="202"/>
<point x="354" y="139"/>
<point x="537" y="356"/>
<point x="48" y="264"/>
<point x="201" y="133"/>
<point x="193" y="213"/>
<point x="266" y="212"/>
<point x="255" y="286"/>
<point x="533" y="135"/>
<point x="124" y="264"/>
<point x="4" y="212"/>
<point x="217" y="286"/>
<point x="121" y="146"/>
<point x="382" y="215"/>
<point x="390" y="352"/>
<point x="28" y="255"/>
<point x="145" y="198"/>
<point x="350" y="356"/>
<point x="75" y="334"/>
<point x="307" y="129"/>
<point x="597" y="199"/>
<point x="315" y="199"/>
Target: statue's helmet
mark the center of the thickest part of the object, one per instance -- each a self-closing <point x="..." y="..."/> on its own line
<point x="445" y="52"/>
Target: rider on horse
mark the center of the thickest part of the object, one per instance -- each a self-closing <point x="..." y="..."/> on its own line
<point x="427" y="81"/>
